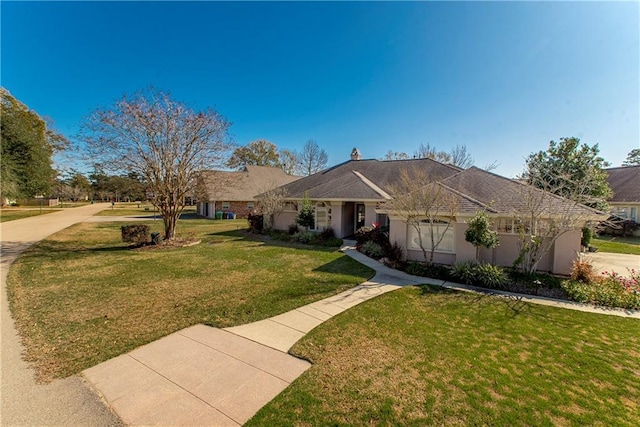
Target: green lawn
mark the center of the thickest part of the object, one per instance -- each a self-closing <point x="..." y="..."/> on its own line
<point x="428" y="356"/>
<point x="618" y="245"/>
<point x="143" y="209"/>
<point x="81" y="296"/>
<point x="13" y="214"/>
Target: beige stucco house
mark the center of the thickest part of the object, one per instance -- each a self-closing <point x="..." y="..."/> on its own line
<point x="234" y="192"/>
<point x="357" y="193"/>
<point x="625" y="184"/>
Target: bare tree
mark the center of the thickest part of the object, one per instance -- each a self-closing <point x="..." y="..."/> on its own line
<point x="312" y="159"/>
<point x="272" y="202"/>
<point x="164" y="141"/>
<point x="395" y="155"/>
<point x="460" y="157"/>
<point x="542" y="217"/>
<point x="423" y="203"/>
<point x="288" y="161"/>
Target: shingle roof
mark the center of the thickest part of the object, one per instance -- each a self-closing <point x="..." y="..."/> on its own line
<point x="243" y="185"/>
<point x="625" y="183"/>
<point x="340" y="181"/>
<point x="503" y="195"/>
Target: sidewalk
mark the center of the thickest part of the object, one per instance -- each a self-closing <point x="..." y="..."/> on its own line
<point x="66" y="402"/>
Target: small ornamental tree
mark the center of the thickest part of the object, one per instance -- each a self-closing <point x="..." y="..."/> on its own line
<point x="479" y="232"/>
<point x="306" y="218"/>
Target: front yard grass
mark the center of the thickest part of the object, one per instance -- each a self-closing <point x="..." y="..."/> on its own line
<point x="429" y="356"/>
<point x="82" y="297"/>
<point x="617" y="245"/>
<point x="136" y="208"/>
<point x="13" y="214"/>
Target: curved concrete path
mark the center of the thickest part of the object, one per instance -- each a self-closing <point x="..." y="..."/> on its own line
<point x="67" y="402"/>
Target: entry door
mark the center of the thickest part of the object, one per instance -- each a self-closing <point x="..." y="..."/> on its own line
<point x="359" y="216"/>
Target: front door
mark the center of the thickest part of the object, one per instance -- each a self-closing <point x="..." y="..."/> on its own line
<point x="359" y="216"/>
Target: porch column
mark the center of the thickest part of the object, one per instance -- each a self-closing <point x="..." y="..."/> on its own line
<point x="336" y="218"/>
<point x="369" y="214"/>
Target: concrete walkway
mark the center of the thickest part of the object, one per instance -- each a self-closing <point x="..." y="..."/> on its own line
<point x="67" y="402"/>
<point x="607" y="261"/>
<point x="208" y="376"/>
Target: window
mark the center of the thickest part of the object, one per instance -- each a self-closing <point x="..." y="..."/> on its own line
<point x="322" y="216"/>
<point x="225" y="205"/>
<point x="290" y="207"/>
<point x="250" y="205"/>
<point x="634" y="214"/>
<point x="441" y="229"/>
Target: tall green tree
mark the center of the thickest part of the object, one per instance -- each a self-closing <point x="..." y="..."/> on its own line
<point x="28" y="145"/>
<point x="633" y="158"/>
<point x="257" y="153"/>
<point x="572" y="170"/>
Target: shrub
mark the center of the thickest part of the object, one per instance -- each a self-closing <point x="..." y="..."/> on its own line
<point x="582" y="271"/>
<point x="279" y="235"/>
<point x="306" y="237"/>
<point x="327" y="234"/>
<point x="491" y="276"/>
<point x="293" y="229"/>
<point x="587" y="235"/>
<point x="372" y="250"/>
<point x="256" y="222"/>
<point x="465" y="271"/>
<point x="305" y="217"/>
<point x="330" y="242"/>
<point x="610" y="291"/>
<point x="481" y="274"/>
<point x="379" y="235"/>
<point x="415" y="268"/>
<point x="393" y="253"/>
<point x="136" y="234"/>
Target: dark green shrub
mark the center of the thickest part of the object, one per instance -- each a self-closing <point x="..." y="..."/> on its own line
<point x="393" y="253"/>
<point x="137" y="234"/>
<point x="587" y="235"/>
<point x="293" y="229"/>
<point x="379" y="235"/>
<point x="306" y="237"/>
<point x="372" y="249"/>
<point x="491" y="276"/>
<point x="256" y="222"/>
<point x="305" y="217"/>
<point x="415" y="268"/>
<point x="327" y="234"/>
<point x="331" y="242"/>
<point x="465" y="272"/>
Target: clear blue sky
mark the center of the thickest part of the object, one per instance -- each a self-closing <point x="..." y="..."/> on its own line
<point x="502" y="78"/>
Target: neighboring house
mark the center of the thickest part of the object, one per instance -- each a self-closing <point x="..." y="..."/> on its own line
<point x="625" y="183"/>
<point x="234" y="192"/>
<point x="353" y="194"/>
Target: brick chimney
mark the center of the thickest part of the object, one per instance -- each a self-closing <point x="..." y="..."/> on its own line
<point x="355" y="154"/>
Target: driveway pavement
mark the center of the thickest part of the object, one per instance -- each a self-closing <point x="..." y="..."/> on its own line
<point x="620" y="263"/>
<point x="67" y="402"/>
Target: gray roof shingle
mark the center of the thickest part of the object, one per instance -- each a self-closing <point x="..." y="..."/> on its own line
<point x="625" y="183"/>
<point x="243" y="185"/>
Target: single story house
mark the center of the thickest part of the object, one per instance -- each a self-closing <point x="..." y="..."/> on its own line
<point x="625" y="183"/>
<point x="234" y="192"/>
<point x="360" y="192"/>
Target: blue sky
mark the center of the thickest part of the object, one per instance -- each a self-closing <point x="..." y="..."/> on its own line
<point x="504" y="78"/>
